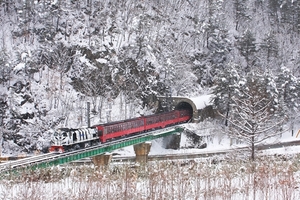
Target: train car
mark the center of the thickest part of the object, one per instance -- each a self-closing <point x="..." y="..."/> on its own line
<point x="120" y="128"/>
<point x="141" y="124"/>
<point x="67" y="139"/>
<point x="184" y="115"/>
<point x="166" y="119"/>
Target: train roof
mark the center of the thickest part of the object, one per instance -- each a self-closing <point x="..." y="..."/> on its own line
<point x="128" y="120"/>
<point x="117" y="122"/>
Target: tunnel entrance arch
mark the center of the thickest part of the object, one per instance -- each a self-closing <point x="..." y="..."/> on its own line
<point x="183" y="106"/>
<point x="183" y="103"/>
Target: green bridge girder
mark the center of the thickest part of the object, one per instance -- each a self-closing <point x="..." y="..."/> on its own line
<point x="104" y="149"/>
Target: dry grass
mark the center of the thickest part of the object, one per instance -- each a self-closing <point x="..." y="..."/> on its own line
<point x="274" y="178"/>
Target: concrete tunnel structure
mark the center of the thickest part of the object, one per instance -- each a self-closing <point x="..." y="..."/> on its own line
<point x="196" y="104"/>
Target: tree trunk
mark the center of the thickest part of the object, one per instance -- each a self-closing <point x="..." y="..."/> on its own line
<point x="252" y="148"/>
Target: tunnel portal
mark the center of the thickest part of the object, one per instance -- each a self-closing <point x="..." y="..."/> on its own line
<point x="183" y="106"/>
<point x="184" y="103"/>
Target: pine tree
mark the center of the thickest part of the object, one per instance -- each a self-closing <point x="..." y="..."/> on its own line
<point x="240" y="10"/>
<point x="274" y="7"/>
<point x="227" y="83"/>
<point x="218" y="47"/>
<point x="247" y="48"/>
<point x="289" y="93"/>
<point x="5" y="68"/>
<point x="269" y="47"/>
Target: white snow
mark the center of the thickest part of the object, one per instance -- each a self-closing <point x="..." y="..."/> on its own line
<point x="202" y="101"/>
<point x="102" y="60"/>
<point x="19" y="67"/>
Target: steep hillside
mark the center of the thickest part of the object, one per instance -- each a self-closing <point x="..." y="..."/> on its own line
<point x="56" y="55"/>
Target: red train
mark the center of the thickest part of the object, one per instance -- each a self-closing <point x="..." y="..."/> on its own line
<point x="66" y="139"/>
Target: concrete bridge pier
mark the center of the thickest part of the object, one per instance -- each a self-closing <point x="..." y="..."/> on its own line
<point x="141" y="152"/>
<point x="102" y="160"/>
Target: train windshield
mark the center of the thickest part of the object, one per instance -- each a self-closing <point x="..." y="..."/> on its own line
<point x="60" y="134"/>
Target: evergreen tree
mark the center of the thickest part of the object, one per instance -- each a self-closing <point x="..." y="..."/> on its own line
<point x="247" y="48"/>
<point x="289" y="93"/>
<point x="269" y="47"/>
<point x="227" y="83"/>
<point x="135" y="75"/>
<point x="218" y="47"/>
<point x="5" y="68"/>
<point x="274" y="7"/>
<point x="240" y="10"/>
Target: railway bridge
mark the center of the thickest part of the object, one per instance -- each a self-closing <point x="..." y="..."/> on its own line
<point x="200" y="106"/>
<point x="97" y="153"/>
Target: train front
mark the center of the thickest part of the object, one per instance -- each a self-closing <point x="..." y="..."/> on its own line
<point x="58" y="139"/>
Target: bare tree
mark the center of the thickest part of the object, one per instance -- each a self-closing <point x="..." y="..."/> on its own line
<point x="254" y="116"/>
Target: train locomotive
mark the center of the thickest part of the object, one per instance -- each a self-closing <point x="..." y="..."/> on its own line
<point x="65" y="139"/>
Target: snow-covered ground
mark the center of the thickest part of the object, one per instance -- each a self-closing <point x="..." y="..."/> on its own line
<point x="269" y="178"/>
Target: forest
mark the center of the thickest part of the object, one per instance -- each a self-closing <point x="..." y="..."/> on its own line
<point x="56" y="55"/>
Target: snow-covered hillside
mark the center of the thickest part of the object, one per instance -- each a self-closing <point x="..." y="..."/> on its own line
<point x="119" y="55"/>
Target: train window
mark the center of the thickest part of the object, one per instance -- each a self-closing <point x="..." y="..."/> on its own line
<point x="100" y="133"/>
<point x="74" y="136"/>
